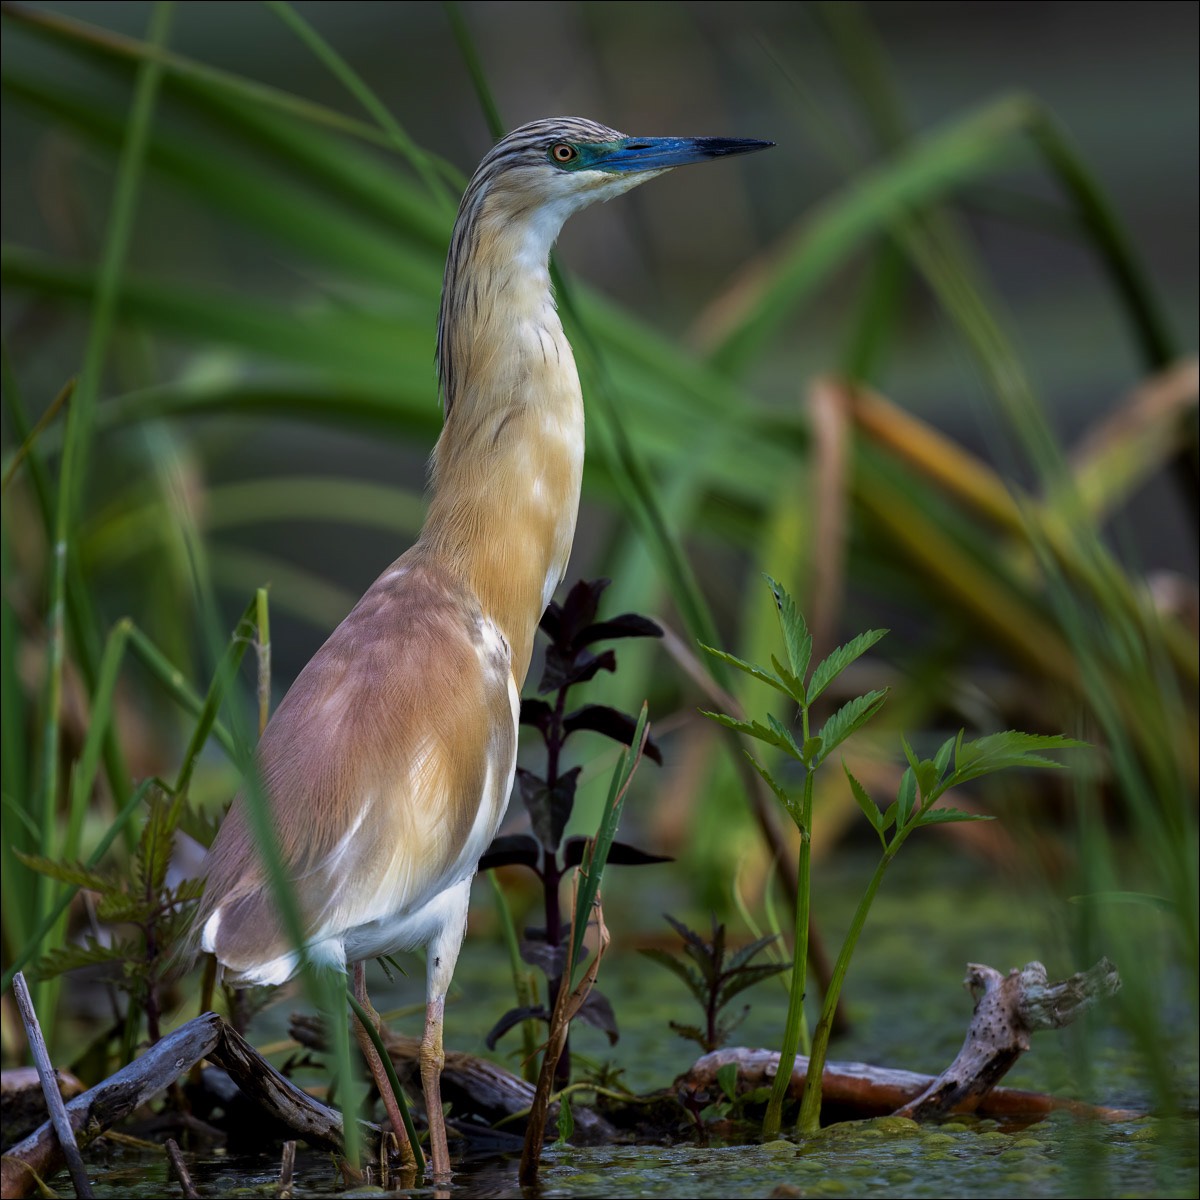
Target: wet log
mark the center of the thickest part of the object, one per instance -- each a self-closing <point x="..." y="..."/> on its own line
<point x="22" y="1104"/>
<point x="40" y="1155"/>
<point x="851" y="1089"/>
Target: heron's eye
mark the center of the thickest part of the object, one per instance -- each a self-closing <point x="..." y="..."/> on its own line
<point x="562" y="153"/>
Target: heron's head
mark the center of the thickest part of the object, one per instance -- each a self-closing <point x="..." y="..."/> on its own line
<point x="527" y="185"/>
<point x="548" y="169"/>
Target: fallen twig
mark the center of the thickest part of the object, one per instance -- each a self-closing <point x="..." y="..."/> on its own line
<point x="120" y="1095"/>
<point x="287" y="1168"/>
<point x="175" y="1155"/>
<point x="68" y="1147"/>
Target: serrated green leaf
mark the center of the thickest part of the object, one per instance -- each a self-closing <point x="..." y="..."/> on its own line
<point x="727" y="1077"/>
<point x="187" y="891"/>
<point x="781" y="793"/>
<point x="947" y="816"/>
<point x="741" y="957"/>
<point x="68" y="872"/>
<point x="158" y="841"/>
<point x="689" y="935"/>
<point x="942" y="759"/>
<point x="90" y="954"/>
<point x="748" y="976"/>
<point x="784" y="737"/>
<point x="850" y="717"/>
<point x="117" y="907"/>
<point x="889" y="816"/>
<point x="869" y="808"/>
<point x="796" y="638"/>
<point x="690" y="977"/>
<point x="906" y="797"/>
<point x="810" y="752"/>
<point x="790" y="803"/>
<point x="925" y="770"/>
<point x="828" y="669"/>
<point x="752" y="669"/>
<point x="999" y="751"/>
<point x="691" y="1032"/>
<point x="795" y="686"/>
<point x="776" y="735"/>
<point x="706" y="958"/>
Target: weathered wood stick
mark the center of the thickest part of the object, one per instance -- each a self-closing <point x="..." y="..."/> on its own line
<point x="121" y="1094"/>
<point x="175" y="1156"/>
<point x="1008" y="1009"/>
<point x="287" y="1168"/>
<point x="68" y="1147"/>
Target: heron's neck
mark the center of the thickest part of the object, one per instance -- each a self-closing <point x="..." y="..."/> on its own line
<point x="508" y="466"/>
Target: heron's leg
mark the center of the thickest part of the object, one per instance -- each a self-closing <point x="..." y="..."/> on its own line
<point x="433" y="1058"/>
<point x="375" y="1065"/>
<point x="440" y="958"/>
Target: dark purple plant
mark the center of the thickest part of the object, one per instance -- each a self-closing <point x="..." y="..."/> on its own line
<point x="572" y="630"/>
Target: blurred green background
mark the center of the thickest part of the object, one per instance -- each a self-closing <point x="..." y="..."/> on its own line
<point x="985" y="212"/>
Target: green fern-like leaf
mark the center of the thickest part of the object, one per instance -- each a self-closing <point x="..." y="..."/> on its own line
<point x="752" y="669"/>
<point x="676" y="967"/>
<point x="999" y="751"/>
<point x="796" y="637"/>
<point x="119" y="953"/>
<point x="828" y="669"/>
<point x="68" y="872"/>
<point x="850" y="717"/>
<point x="946" y="816"/>
<point x="869" y="808"/>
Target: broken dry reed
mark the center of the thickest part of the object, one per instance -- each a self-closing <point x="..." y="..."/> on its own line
<point x="287" y="1168"/>
<point x="179" y="1168"/>
<point x="54" y="1101"/>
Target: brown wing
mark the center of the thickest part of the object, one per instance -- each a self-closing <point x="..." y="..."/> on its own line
<point x="376" y="763"/>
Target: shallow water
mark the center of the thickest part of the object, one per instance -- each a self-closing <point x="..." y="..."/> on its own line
<point x="909" y="1011"/>
<point x="1056" y="1158"/>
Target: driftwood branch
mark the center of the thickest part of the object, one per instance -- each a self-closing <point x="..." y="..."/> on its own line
<point x="40" y="1154"/>
<point x="1008" y="1010"/>
<point x="850" y="1089"/>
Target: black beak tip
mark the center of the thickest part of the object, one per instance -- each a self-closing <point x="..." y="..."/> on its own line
<point x="720" y="147"/>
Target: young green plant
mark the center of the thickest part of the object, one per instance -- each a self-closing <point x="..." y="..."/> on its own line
<point x="810" y="751"/>
<point x="923" y="783"/>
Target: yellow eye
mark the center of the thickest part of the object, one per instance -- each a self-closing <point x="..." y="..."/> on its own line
<point x="563" y="153"/>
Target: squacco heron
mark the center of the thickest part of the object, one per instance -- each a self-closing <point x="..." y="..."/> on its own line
<point x="389" y="762"/>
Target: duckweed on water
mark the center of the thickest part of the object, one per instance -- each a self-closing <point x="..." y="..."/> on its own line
<point x="851" y="1159"/>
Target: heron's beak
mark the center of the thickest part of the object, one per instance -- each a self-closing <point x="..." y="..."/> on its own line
<point x="659" y="154"/>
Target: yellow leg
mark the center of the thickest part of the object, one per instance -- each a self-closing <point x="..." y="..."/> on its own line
<point x="375" y="1066"/>
<point x="433" y="1059"/>
<point x="440" y="956"/>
